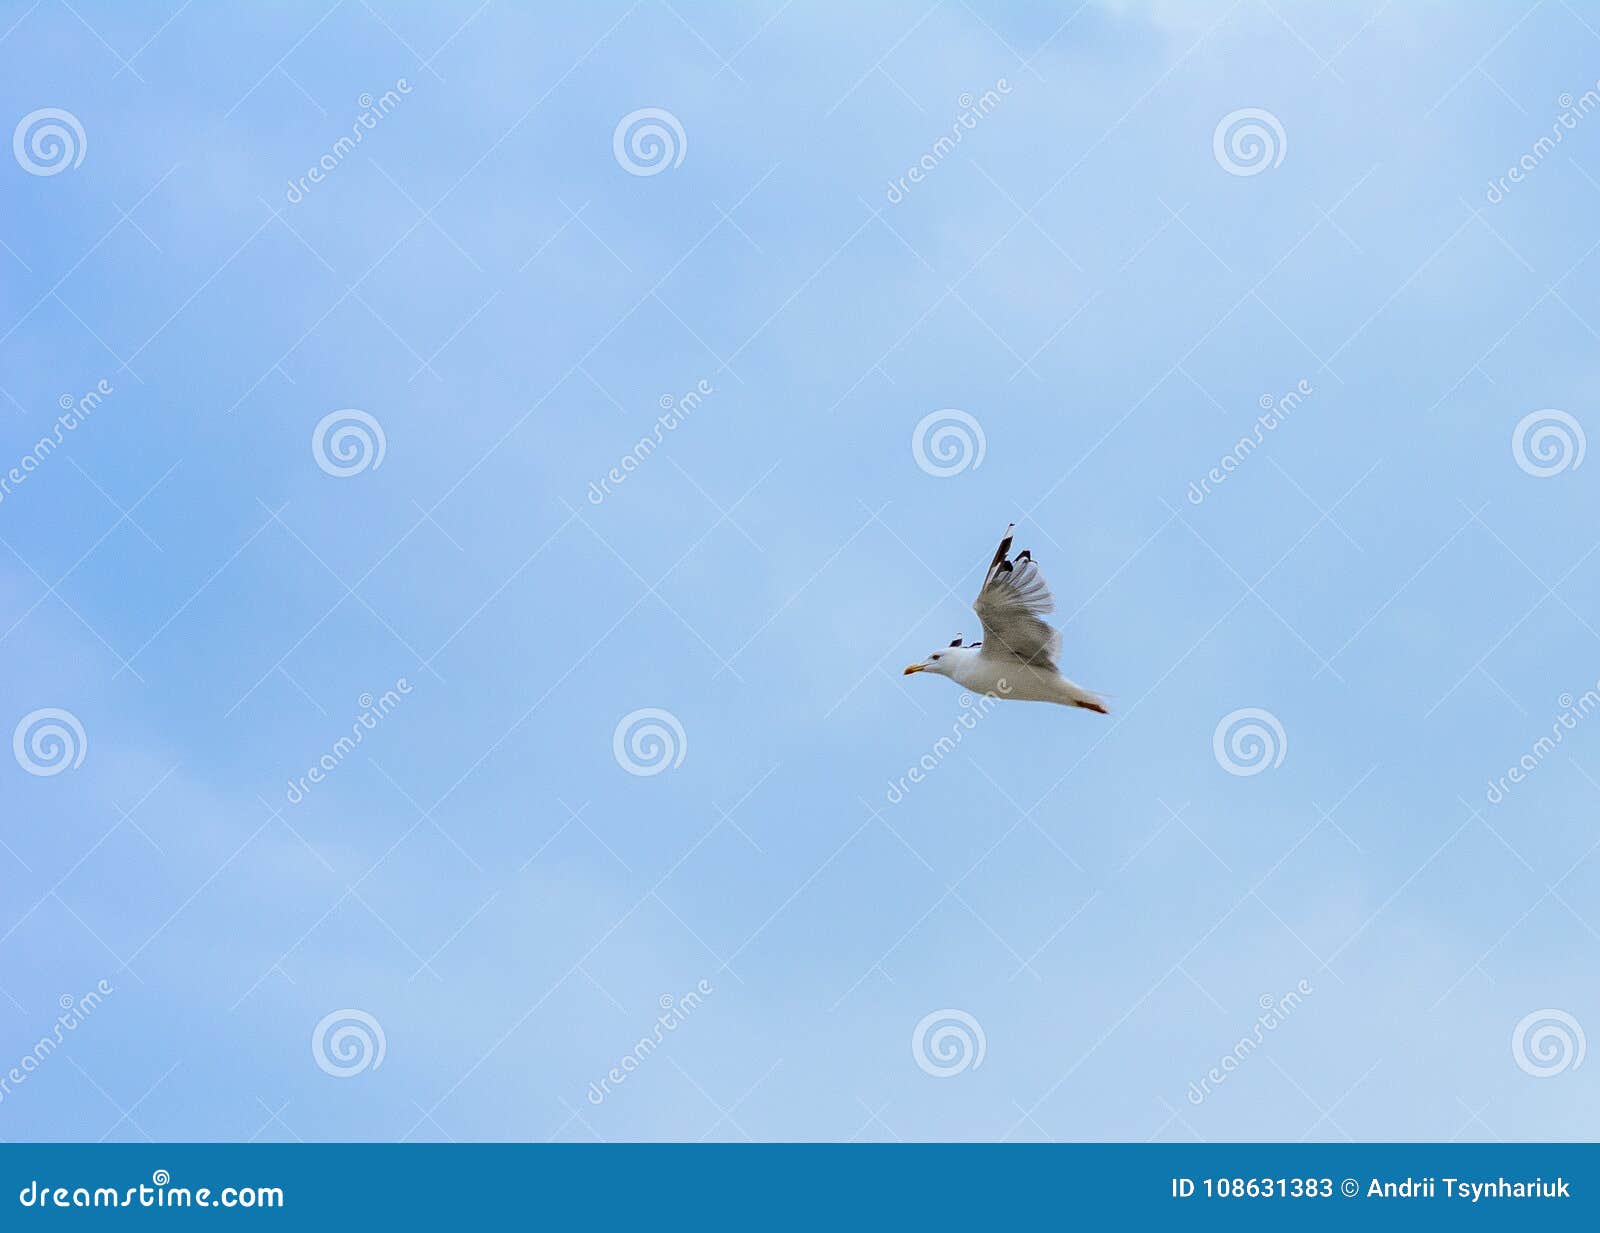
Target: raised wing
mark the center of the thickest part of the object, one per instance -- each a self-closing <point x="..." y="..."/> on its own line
<point x="1012" y="604"/>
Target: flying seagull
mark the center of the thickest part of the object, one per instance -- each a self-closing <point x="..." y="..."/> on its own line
<point x="1017" y="657"/>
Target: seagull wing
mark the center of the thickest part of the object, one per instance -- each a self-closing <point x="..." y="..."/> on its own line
<point x="1012" y="604"/>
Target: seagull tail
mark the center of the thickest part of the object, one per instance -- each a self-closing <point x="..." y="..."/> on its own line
<point x="1077" y="695"/>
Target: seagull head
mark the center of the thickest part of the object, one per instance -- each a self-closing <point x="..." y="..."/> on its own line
<point x="941" y="662"/>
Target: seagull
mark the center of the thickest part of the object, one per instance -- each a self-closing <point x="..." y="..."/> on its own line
<point x="1017" y="657"/>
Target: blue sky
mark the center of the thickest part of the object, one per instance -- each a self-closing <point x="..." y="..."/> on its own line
<point x="1105" y="288"/>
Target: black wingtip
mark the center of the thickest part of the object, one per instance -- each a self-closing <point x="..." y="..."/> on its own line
<point x="1000" y="552"/>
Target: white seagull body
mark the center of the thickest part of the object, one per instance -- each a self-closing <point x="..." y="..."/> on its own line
<point x="1018" y="654"/>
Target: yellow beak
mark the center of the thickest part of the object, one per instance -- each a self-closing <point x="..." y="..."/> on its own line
<point x="913" y="668"/>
